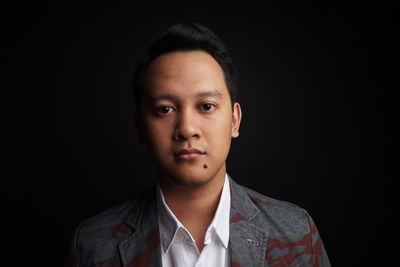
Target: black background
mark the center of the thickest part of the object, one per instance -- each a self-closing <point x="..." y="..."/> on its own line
<point x="317" y="89"/>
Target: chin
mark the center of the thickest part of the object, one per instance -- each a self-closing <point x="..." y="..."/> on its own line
<point x="189" y="175"/>
<point x="190" y="180"/>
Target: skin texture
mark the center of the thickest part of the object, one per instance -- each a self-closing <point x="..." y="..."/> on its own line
<point x="186" y="105"/>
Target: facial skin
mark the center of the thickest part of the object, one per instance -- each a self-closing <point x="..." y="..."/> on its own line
<point x="186" y="106"/>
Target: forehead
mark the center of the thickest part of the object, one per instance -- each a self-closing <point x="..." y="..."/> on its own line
<point x="184" y="73"/>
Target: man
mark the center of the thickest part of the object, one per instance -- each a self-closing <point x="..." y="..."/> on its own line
<point x="196" y="215"/>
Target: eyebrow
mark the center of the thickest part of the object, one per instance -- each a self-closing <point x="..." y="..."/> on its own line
<point x="213" y="93"/>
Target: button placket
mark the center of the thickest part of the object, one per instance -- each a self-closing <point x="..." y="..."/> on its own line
<point x="201" y="261"/>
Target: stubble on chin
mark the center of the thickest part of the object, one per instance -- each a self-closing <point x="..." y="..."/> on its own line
<point x="189" y="174"/>
<point x="186" y="181"/>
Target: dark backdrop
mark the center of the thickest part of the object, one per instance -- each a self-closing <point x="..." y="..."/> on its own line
<point x="316" y="89"/>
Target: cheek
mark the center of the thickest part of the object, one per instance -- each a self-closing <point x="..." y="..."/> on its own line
<point x="225" y="126"/>
<point x="157" y="134"/>
<point x="220" y="135"/>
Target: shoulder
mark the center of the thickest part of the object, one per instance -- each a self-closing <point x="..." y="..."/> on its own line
<point x="109" y="218"/>
<point x="291" y="235"/>
<point x="96" y="239"/>
<point x="108" y="226"/>
<point x="270" y="205"/>
<point x="279" y="218"/>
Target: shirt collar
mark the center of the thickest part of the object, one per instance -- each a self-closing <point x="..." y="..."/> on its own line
<point x="220" y="222"/>
<point x="169" y="224"/>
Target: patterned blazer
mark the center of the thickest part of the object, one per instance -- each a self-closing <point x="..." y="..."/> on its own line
<point x="263" y="232"/>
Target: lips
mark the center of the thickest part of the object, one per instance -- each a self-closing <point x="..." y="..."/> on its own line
<point x="186" y="154"/>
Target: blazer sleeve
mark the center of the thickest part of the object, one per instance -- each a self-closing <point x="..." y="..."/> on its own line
<point x="72" y="259"/>
<point x="318" y="250"/>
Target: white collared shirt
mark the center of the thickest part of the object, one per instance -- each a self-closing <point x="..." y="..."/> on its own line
<point x="178" y="248"/>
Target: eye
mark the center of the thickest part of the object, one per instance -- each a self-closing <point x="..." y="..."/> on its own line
<point x="164" y="109"/>
<point x="207" y="106"/>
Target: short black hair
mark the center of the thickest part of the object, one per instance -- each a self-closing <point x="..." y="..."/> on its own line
<point x="187" y="37"/>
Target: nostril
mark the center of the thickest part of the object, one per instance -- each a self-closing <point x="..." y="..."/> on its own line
<point x="180" y="137"/>
<point x="186" y="132"/>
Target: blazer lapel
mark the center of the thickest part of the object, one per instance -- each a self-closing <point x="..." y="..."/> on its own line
<point x="142" y="248"/>
<point x="247" y="243"/>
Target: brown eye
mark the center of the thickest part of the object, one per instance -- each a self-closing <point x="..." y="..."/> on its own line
<point x="207" y="106"/>
<point x="165" y="109"/>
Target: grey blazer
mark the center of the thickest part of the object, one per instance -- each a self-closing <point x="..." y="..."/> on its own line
<point x="263" y="232"/>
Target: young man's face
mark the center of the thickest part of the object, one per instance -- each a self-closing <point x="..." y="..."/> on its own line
<point x="186" y="117"/>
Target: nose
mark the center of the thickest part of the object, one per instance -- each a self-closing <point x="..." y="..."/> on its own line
<point x="186" y="128"/>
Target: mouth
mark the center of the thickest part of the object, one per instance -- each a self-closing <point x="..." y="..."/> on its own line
<point x="188" y="154"/>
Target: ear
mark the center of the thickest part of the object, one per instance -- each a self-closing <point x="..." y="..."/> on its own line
<point x="139" y="128"/>
<point x="236" y="118"/>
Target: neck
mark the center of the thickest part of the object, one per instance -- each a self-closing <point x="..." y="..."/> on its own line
<point x="194" y="206"/>
<point x="193" y="201"/>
